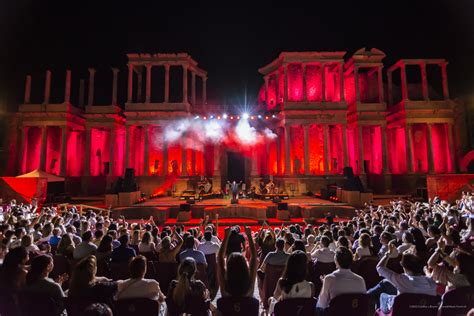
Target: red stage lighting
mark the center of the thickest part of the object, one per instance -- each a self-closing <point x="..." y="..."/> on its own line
<point x="231" y="117"/>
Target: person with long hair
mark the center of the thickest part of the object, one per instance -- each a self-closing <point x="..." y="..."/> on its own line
<point x="364" y="248"/>
<point x="85" y="283"/>
<point x="13" y="271"/>
<point x="186" y="288"/>
<point x="66" y="246"/>
<point x="38" y="282"/>
<point x="236" y="276"/>
<point x="104" y="251"/>
<point x="146" y="244"/>
<point x="293" y="282"/>
<point x="167" y="252"/>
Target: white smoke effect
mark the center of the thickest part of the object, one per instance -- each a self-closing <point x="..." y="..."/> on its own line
<point x="245" y="133"/>
<point x="174" y="131"/>
<point x="269" y="133"/>
<point x="213" y="131"/>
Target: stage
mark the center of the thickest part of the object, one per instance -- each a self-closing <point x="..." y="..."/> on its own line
<point x="166" y="210"/>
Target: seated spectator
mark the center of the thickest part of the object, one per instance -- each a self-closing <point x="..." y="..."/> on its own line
<point x="38" y="282"/>
<point x="310" y="243"/>
<point x="385" y="239"/>
<point x="277" y="257"/>
<point x="413" y="280"/>
<point x="86" y="247"/>
<point x="189" y="251"/>
<point x="208" y="247"/>
<point x="123" y="253"/>
<point x="27" y="243"/>
<point x="66" y="246"/>
<point x="13" y="271"/>
<point x="104" y="251"/>
<point x="323" y="253"/>
<point x="236" y="241"/>
<point x="146" y="244"/>
<point x="407" y="242"/>
<point x="137" y="286"/>
<point x="18" y="235"/>
<point x="364" y="249"/>
<point x="55" y="238"/>
<point x="98" y="234"/>
<point x="167" y="252"/>
<point x="236" y="277"/>
<point x="341" y="281"/>
<point x="292" y="284"/>
<point x="113" y="233"/>
<point x="84" y="282"/>
<point x="184" y="289"/>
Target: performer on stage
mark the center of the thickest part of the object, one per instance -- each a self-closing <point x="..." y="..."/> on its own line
<point x="234" y="188"/>
<point x="270" y="187"/>
<point x="261" y="187"/>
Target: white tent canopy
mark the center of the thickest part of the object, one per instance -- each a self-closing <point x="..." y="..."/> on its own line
<point x="41" y="174"/>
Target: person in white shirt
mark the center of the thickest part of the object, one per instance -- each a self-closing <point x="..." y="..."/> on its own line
<point x="137" y="286"/>
<point x="86" y="247"/>
<point x="146" y="244"/>
<point x="208" y="247"/>
<point x="323" y="254"/>
<point x="408" y="242"/>
<point x="413" y="280"/>
<point x="341" y="281"/>
<point x="365" y="243"/>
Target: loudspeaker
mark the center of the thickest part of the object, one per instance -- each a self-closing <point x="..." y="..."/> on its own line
<point x="234" y="201"/>
<point x="348" y="172"/>
<point x="184" y="207"/>
<point x="283" y="206"/>
<point x="129" y="180"/>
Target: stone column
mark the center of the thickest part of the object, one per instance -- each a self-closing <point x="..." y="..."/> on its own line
<point x="380" y="81"/>
<point x="23" y="145"/>
<point x="130" y="83"/>
<point x="217" y="161"/>
<point x="165" y="157"/>
<point x="43" y="148"/>
<point x="81" y="93"/>
<point x="326" y="148"/>
<point x="184" y="165"/>
<point x="167" y="83"/>
<point x="389" y="86"/>
<point x="344" y="144"/>
<point x="115" y="72"/>
<point x="193" y="162"/>
<point x="127" y="147"/>
<point x="47" y="87"/>
<point x="90" y="91"/>
<point x="452" y="154"/>
<point x="138" y="70"/>
<point x="63" y="157"/>
<point x="429" y="142"/>
<point x="148" y="84"/>
<point x="146" y="151"/>
<point x="193" y="87"/>
<point x="341" y="78"/>
<point x="285" y="91"/>
<point x="306" y="150"/>
<point x="112" y="151"/>
<point x="287" y="150"/>
<point x="383" y="132"/>
<point x="87" y="152"/>
<point x="266" y="90"/>
<point x="277" y="87"/>
<point x="278" y="153"/>
<point x="27" y="98"/>
<point x="424" y="82"/>
<point x="67" y="87"/>
<point x="305" y="97"/>
<point x="323" y="82"/>
<point x="445" y="81"/>
<point x="409" y="147"/>
<point x="185" y="83"/>
<point x="204" y="90"/>
<point x="361" y="149"/>
<point x="356" y="83"/>
<point x="267" y="155"/>
<point x="403" y="76"/>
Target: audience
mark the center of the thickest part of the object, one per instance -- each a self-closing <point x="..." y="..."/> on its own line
<point x="123" y="253"/>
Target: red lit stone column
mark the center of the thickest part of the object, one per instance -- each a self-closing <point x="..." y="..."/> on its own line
<point x="326" y="148"/>
<point x="184" y="166"/>
<point x="356" y="83"/>
<point x="424" y="82"/>
<point x="193" y="87"/>
<point x="305" y="97"/>
<point x="383" y="132"/>
<point x="90" y="96"/>
<point x="130" y="83"/>
<point x="266" y="90"/>
<point x="409" y="147"/>
<point x="138" y="70"/>
<point x="285" y="91"/>
<point x="24" y="144"/>
<point x="165" y="157"/>
<point x="27" y="98"/>
<point x="44" y="130"/>
<point x="148" y="84"/>
<point x="185" y="83"/>
<point x="67" y="89"/>
<point x="341" y="78"/>
<point x="111" y="151"/>
<point x="47" y="87"/>
<point x="306" y="150"/>
<point x="193" y="162"/>
<point x="254" y="162"/>
<point x="323" y="82"/>
<point x="63" y="157"/>
<point x="287" y="150"/>
<point x="127" y="147"/>
<point x="204" y="90"/>
<point x="146" y="151"/>
<point x="277" y="87"/>
<point x="361" y="149"/>
<point x="278" y="152"/>
<point x="167" y="83"/>
<point x="429" y="141"/>
<point x="344" y="144"/>
<point x="452" y="155"/>
<point x="87" y="153"/>
<point x="380" y="80"/>
<point x="445" y="81"/>
<point x="403" y="76"/>
<point x="115" y="72"/>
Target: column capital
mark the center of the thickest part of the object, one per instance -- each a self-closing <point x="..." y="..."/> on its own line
<point x="115" y="70"/>
<point x="185" y="66"/>
<point x="91" y="70"/>
<point x="148" y="66"/>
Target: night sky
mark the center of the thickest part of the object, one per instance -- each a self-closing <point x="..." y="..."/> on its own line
<point x="230" y="40"/>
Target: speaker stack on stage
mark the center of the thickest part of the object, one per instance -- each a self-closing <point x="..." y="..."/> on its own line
<point x="283" y="213"/>
<point x="184" y="213"/>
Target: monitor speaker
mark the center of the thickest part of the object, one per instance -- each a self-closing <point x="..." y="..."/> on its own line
<point x="129" y="180"/>
<point x="348" y="172"/>
<point x="184" y="207"/>
<point x="283" y="206"/>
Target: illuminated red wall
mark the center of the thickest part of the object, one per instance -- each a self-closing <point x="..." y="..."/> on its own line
<point x="442" y="159"/>
<point x="100" y="151"/>
<point x="174" y="153"/>
<point x="336" y="153"/>
<point x="297" y="149"/>
<point x="155" y="151"/>
<point x="75" y="153"/>
<point x="352" y="149"/>
<point x="272" y="158"/>
<point x="209" y="160"/>
<point x="295" y="82"/>
<point x="420" y="148"/>
<point x="53" y="149"/>
<point x="313" y="83"/>
<point x="31" y="159"/>
<point x="397" y="150"/>
<point x="316" y="150"/>
<point x="372" y="139"/>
